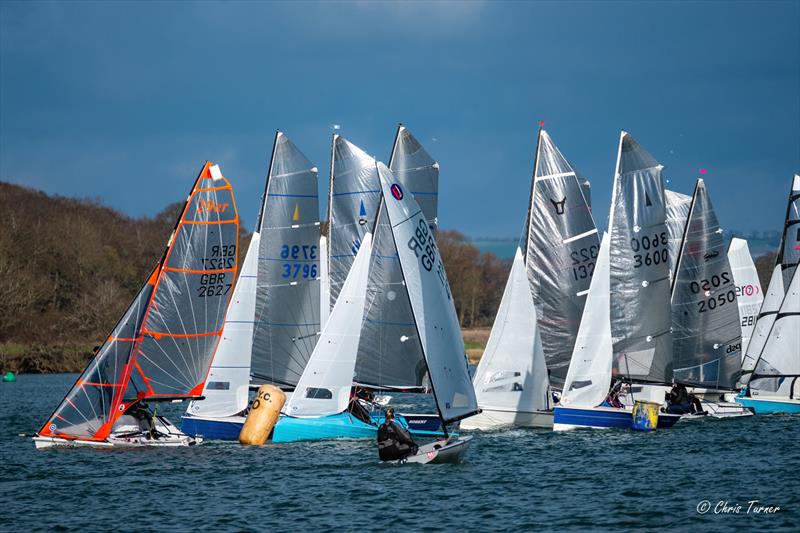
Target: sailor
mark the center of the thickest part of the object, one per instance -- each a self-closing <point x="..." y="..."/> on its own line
<point x="678" y="400"/>
<point x="394" y="442"/>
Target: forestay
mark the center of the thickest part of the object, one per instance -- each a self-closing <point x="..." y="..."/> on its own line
<point x="589" y="376"/>
<point x="287" y="317"/>
<point x="639" y="267"/>
<point x="431" y="302"/>
<point x="677" y="211"/>
<point x="706" y="331"/>
<point x="163" y="345"/>
<point x="777" y="372"/>
<point x="324" y="388"/>
<point x="748" y="287"/>
<point x="561" y="252"/>
<point x="512" y="374"/>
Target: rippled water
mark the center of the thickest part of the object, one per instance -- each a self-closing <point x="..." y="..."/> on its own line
<point x="516" y="479"/>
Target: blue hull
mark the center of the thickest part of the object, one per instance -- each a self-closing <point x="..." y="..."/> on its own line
<point x="762" y="407"/>
<point x="603" y="417"/>
<point x="211" y="429"/>
<point x="340" y="426"/>
<point x="229" y="429"/>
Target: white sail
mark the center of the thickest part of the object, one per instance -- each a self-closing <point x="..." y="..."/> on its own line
<point x="431" y="302"/>
<point x="227" y="383"/>
<point x="748" y="288"/>
<point x="324" y="387"/>
<point x="766" y="317"/>
<point x="589" y="375"/>
<point x="512" y="374"/>
<point x="778" y="369"/>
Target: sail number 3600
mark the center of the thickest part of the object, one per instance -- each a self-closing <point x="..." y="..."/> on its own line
<point x="648" y="245"/>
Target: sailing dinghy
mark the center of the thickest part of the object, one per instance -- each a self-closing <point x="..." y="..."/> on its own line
<point x="625" y="328"/>
<point x="706" y="328"/>
<point x="534" y="331"/>
<point x="162" y="347"/>
<point x="273" y="321"/>
<point x="771" y="366"/>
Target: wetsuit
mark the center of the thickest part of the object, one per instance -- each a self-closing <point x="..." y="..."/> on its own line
<point x="394" y="442"/>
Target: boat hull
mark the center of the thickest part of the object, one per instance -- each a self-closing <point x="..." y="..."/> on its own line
<point x="228" y="428"/>
<point x="568" y="418"/>
<point x="489" y="419"/>
<point x="763" y="406"/>
<point x="721" y="410"/>
<point x="167" y="436"/>
<point x="339" y="426"/>
<point x="451" y="450"/>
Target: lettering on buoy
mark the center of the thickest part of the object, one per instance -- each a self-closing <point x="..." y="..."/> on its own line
<point x="263" y="415"/>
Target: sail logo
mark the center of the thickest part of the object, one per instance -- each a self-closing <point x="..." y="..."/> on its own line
<point x="734" y="348"/>
<point x="397" y="192"/>
<point x="356" y="246"/>
<point x="711" y="255"/>
<point x="204" y="206"/>
<point x="296" y="214"/>
<point x="362" y="214"/>
<point x="559" y="206"/>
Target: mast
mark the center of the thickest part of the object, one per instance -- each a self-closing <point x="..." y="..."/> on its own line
<point x="533" y="186"/>
<point x="334" y="137"/>
<point x="266" y="185"/>
<point x="683" y="238"/>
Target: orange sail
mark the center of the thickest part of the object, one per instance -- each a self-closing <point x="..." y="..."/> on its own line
<point x="162" y="347"/>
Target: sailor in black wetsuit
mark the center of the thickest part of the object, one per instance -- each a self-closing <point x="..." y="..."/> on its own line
<point x="394" y="442"/>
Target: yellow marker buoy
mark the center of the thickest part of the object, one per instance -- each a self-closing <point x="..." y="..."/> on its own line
<point x="263" y="415"/>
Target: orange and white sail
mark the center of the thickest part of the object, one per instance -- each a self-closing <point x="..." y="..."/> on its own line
<point x="162" y="347"/>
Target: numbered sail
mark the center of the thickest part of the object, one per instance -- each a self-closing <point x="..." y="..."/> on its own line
<point x="226" y="390"/>
<point x="706" y="331"/>
<point x="417" y="171"/>
<point x="431" y="302"/>
<point x="589" y="376"/>
<point x="512" y="374"/>
<point x="163" y="346"/>
<point x="639" y="268"/>
<point x="749" y="296"/>
<point x="561" y="253"/>
<point x="390" y="355"/>
<point x="677" y="212"/>
<point x="324" y="388"/>
<point x="777" y="371"/>
<point x="355" y="193"/>
<point x="789" y="252"/>
<point x="287" y="316"/>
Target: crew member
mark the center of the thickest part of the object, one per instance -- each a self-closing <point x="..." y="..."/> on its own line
<point x="394" y="442"/>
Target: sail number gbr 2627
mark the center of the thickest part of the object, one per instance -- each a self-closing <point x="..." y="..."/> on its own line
<point x="647" y="246"/>
<point x="425" y="249"/>
<point x="218" y="284"/>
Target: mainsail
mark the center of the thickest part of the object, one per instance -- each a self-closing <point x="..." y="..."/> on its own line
<point x="324" y="388"/>
<point x="431" y="302"/>
<point x="512" y="374"/>
<point x="677" y="212"/>
<point x="639" y="268"/>
<point x="560" y="253"/>
<point x="777" y="371"/>
<point x="163" y="345"/>
<point x="417" y="171"/>
<point x="287" y="316"/>
<point x="748" y="287"/>
<point x="706" y="331"/>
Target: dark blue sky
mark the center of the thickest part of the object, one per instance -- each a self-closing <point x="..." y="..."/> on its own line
<point x="124" y="101"/>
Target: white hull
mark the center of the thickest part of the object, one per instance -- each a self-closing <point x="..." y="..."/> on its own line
<point x="721" y="410"/>
<point x="490" y="419"/>
<point x="127" y="436"/>
<point x="451" y="450"/>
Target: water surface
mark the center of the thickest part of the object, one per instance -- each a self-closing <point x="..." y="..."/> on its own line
<point x="511" y="480"/>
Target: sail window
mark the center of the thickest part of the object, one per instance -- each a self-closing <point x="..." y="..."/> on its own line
<point x="319" y="394"/>
<point x="218" y="385"/>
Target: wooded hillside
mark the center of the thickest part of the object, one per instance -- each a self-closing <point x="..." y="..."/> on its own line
<point x="70" y="267"/>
